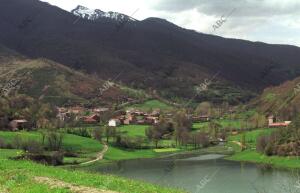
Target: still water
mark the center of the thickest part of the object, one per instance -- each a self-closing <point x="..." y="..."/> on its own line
<point x="207" y="174"/>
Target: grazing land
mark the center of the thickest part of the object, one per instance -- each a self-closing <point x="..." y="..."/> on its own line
<point x="133" y="130"/>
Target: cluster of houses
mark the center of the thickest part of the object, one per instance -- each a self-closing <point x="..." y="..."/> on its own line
<point x="128" y="117"/>
<point x="135" y="117"/>
<point x="139" y="117"/>
<point x="79" y="113"/>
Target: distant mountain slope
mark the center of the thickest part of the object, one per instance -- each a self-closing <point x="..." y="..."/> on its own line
<point x="282" y="100"/>
<point x="149" y="54"/>
<point x="52" y="82"/>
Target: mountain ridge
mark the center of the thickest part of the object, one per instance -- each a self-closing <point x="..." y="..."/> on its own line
<point x="151" y="54"/>
<point x="96" y="14"/>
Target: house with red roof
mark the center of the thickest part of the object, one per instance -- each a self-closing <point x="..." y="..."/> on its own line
<point x="273" y="123"/>
<point x="91" y="119"/>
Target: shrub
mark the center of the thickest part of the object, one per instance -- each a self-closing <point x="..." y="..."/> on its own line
<point x="83" y="132"/>
<point x="269" y="150"/>
<point x="129" y="142"/>
<point x="57" y="158"/>
<point x="33" y="147"/>
<point x="54" y="140"/>
<point x="17" y="142"/>
<point x="70" y="154"/>
<point x="2" y="144"/>
<point x="98" y="134"/>
<point x="282" y="150"/>
<point x="54" y="159"/>
<point x="262" y="143"/>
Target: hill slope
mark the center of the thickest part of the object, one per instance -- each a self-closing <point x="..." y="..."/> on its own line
<point x="152" y="53"/>
<point x="282" y="100"/>
<point x="53" y="82"/>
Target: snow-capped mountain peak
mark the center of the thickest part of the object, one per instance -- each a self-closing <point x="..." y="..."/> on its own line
<point x="95" y="14"/>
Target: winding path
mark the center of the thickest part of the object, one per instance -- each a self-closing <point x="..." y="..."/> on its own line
<point x="99" y="156"/>
<point x="239" y="144"/>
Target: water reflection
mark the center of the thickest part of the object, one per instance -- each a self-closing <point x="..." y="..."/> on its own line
<point x="207" y="174"/>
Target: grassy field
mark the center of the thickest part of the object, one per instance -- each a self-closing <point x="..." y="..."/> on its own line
<point x="251" y="155"/>
<point x="225" y="123"/>
<point x="114" y="153"/>
<point x="152" y="104"/>
<point x="133" y="130"/>
<point x="86" y="148"/>
<point x="276" y="161"/>
<point x="19" y="176"/>
<point x="251" y="136"/>
<point x="139" y="131"/>
<point x="71" y="142"/>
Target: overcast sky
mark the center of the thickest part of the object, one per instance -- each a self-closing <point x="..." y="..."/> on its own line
<point x="271" y="21"/>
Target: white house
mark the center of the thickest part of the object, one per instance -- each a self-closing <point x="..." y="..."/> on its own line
<point x="114" y="122"/>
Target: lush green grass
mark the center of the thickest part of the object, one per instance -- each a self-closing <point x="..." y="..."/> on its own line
<point x="152" y="104"/>
<point x="255" y="157"/>
<point x="133" y="130"/>
<point x="17" y="176"/>
<point x="114" y="153"/>
<point x="251" y="136"/>
<point x="230" y="123"/>
<point x="86" y="148"/>
<point x="139" y="131"/>
<point x="201" y="126"/>
<point x="225" y="123"/>
<point x="7" y="153"/>
<point x="71" y="142"/>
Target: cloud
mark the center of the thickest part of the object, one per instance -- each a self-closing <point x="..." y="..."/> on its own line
<point x="271" y="21"/>
<point x="253" y="8"/>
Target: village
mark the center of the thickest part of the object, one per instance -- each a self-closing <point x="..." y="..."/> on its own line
<point x="93" y="116"/>
<point x="131" y="116"/>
